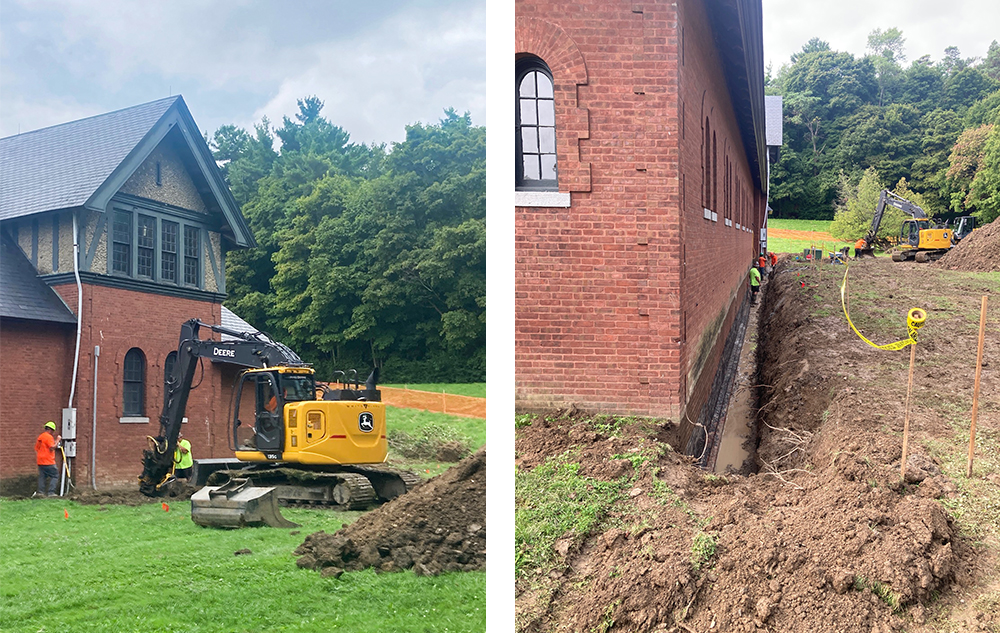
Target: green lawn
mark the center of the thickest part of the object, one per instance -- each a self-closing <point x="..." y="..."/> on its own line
<point x="784" y="245"/>
<point x="474" y="389"/>
<point x="430" y="429"/>
<point x="137" y="569"/>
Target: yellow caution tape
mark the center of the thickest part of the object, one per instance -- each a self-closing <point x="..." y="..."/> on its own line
<point x="915" y="319"/>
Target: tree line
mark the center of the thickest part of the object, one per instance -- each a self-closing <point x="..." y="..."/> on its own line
<point x="857" y="124"/>
<point x="367" y="255"/>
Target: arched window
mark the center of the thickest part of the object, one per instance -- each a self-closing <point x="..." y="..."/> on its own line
<point x="535" y="140"/>
<point x="715" y="175"/>
<point x="168" y="366"/>
<point x="134" y="383"/>
<point x="707" y="166"/>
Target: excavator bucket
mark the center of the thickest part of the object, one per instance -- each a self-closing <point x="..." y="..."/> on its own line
<point x="237" y="504"/>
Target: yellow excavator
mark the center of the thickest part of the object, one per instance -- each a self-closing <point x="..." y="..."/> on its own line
<point x="288" y="444"/>
<point x="919" y="239"/>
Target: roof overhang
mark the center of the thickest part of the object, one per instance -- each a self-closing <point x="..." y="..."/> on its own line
<point x="738" y="30"/>
<point x="179" y="118"/>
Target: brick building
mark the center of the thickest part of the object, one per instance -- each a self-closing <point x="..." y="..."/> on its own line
<point x="639" y="202"/>
<point x="139" y="192"/>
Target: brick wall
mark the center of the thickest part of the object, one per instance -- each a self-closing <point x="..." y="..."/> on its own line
<point x="624" y="299"/>
<point x="34" y="388"/>
<point x="116" y="320"/>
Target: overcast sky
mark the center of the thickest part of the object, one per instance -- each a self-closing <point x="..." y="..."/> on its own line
<point x="378" y="65"/>
<point x="929" y="26"/>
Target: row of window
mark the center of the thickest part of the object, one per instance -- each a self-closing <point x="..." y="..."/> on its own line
<point x="148" y="247"/>
<point x="134" y="381"/>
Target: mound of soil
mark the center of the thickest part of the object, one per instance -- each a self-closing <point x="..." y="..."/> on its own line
<point x="826" y="536"/>
<point x="438" y="527"/>
<point x="979" y="252"/>
<point x="130" y="496"/>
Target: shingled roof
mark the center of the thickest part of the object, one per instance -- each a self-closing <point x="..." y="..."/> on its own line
<point x="24" y="295"/>
<point x="62" y="166"/>
<point x="83" y="163"/>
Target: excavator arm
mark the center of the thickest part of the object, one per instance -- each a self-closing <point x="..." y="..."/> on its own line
<point x="886" y="198"/>
<point x="248" y="350"/>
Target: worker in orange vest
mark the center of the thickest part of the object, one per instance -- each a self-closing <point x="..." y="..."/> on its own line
<point x="45" y="451"/>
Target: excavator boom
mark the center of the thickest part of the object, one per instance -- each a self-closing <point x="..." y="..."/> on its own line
<point x="248" y="350"/>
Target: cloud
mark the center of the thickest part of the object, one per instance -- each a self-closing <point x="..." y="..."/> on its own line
<point x="378" y="66"/>
<point x="410" y="70"/>
<point x="929" y="26"/>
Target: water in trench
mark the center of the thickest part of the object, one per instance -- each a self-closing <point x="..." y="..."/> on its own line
<point x="735" y="452"/>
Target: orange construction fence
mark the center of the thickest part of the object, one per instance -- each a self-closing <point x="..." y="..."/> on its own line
<point x="449" y="403"/>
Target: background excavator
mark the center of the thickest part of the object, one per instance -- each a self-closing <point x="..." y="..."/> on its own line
<point x="920" y="238"/>
<point x="289" y="444"/>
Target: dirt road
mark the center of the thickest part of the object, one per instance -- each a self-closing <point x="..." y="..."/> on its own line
<point x="816" y="236"/>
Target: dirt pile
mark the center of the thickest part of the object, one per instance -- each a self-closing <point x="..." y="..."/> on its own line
<point x="130" y="496"/>
<point x="979" y="252"/>
<point x="438" y="527"/>
<point x="825" y="537"/>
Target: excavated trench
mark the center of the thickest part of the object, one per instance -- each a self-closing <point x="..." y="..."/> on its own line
<point x="756" y="361"/>
<point x="732" y="443"/>
<point x="817" y="531"/>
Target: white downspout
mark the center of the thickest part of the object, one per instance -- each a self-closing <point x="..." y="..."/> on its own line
<point x="79" y="307"/>
<point x="76" y="355"/>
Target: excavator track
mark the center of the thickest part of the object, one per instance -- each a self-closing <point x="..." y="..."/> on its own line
<point x="349" y="488"/>
<point x="388" y="482"/>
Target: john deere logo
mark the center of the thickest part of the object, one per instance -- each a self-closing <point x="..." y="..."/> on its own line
<point x="366" y="422"/>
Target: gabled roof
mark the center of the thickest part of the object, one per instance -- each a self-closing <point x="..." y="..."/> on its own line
<point x="24" y="295"/>
<point x="83" y="163"/>
<point x="232" y="321"/>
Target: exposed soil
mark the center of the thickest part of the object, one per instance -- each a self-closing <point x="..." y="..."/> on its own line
<point x="438" y="527"/>
<point x="825" y="536"/>
<point x="23" y="487"/>
<point x="131" y="496"/>
<point x="978" y="252"/>
<point x="816" y="236"/>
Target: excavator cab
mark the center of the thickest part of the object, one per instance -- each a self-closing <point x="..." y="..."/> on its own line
<point x="261" y="399"/>
<point x="964" y="226"/>
<point x="910" y="231"/>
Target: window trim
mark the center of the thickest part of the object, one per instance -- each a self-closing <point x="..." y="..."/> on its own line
<point x="128" y="242"/>
<point x="141" y="382"/>
<point x="523" y="67"/>
<point x="198" y="276"/>
<point x="135" y="212"/>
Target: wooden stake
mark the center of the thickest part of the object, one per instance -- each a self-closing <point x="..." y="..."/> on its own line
<point x="906" y="420"/>
<point x="975" y="391"/>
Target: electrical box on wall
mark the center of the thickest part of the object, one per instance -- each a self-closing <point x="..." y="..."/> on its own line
<point x="69" y="432"/>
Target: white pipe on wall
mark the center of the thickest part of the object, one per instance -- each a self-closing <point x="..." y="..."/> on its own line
<point x="79" y="307"/>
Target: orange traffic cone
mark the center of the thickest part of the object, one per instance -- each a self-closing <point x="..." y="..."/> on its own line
<point x="65" y="513"/>
<point x="166" y="508"/>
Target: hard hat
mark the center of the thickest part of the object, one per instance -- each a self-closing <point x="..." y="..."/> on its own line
<point x="50" y="425"/>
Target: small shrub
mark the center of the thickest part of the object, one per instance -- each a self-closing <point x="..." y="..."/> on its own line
<point x="882" y="590"/>
<point x="702" y="549"/>
<point x="523" y="420"/>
